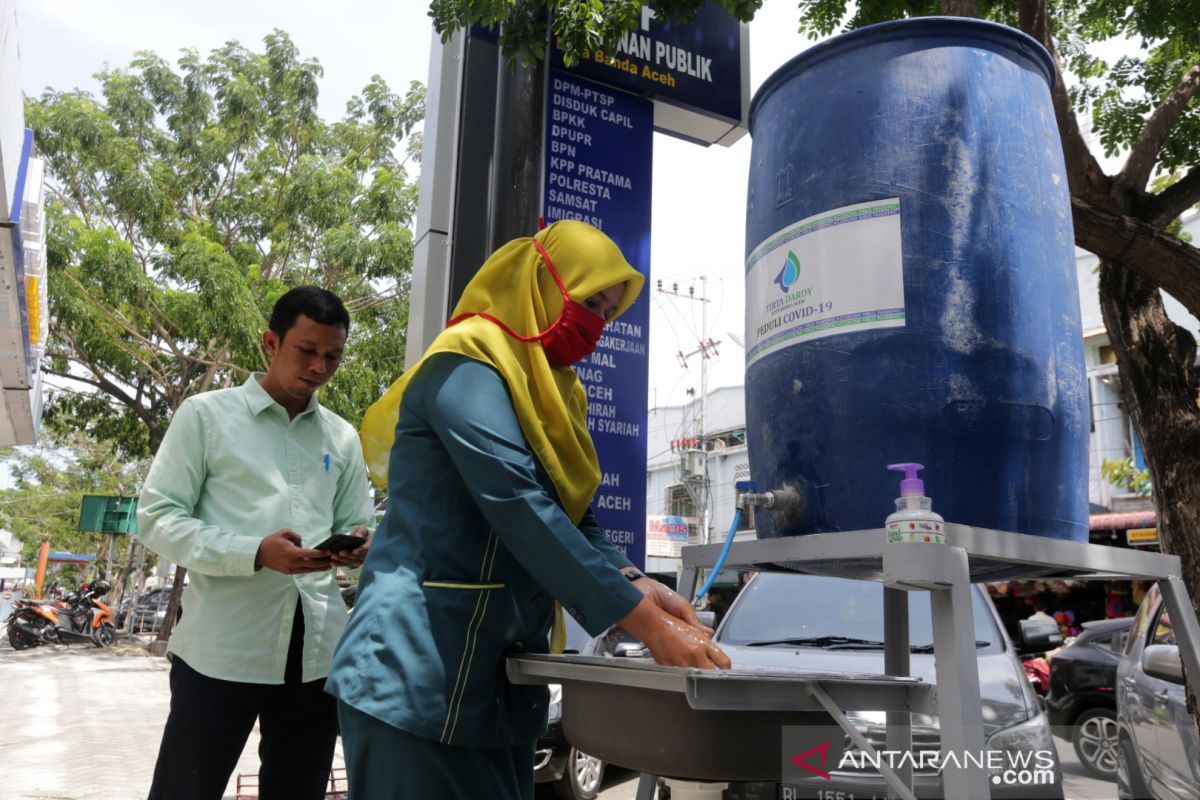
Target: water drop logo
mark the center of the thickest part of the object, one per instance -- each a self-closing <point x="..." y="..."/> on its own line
<point x="789" y="274"/>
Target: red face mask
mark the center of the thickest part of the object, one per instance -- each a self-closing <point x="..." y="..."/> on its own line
<point x="576" y="331"/>
<point x="573" y="336"/>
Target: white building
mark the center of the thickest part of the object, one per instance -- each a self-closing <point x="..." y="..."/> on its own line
<point x="10" y="548"/>
<point x="24" y="312"/>
<point x="675" y="472"/>
<point x="675" y="469"/>
<point x="1113" y="436"/>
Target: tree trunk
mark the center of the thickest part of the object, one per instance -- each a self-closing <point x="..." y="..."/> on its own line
<point x="1156" y="362"/>
<point x="118" y="582"/>
<point x="960" y="8"/>
<point x="517" y="152"/>
<point x="168" y="625"/>
<point x="1167" y="261"/>
<point x="1155" y="357"/>
<point x="164" y="633"/>
<point x="137" y="579"/>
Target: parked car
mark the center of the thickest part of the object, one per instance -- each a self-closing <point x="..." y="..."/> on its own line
<point x="148" y="613"/>
<point x="123" y="608"/>
<point x="571" y="773"/>
<point x="1083" y="680"/>
<point x="1156" y="735"/>
<point x="825" y="624"/>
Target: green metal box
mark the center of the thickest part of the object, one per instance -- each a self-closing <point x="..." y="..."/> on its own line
<point x="108" y="514"/>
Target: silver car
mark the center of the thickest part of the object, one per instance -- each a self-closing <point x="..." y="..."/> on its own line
<point x="1158" y="756"/>
<point x="835" y="625"/>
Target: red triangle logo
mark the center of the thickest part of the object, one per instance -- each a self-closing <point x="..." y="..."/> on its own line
<point x="824" y="750"/>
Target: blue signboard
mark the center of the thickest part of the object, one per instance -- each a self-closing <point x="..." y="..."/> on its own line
<point x="598" y="169"/>
<point x="697" y="65"/>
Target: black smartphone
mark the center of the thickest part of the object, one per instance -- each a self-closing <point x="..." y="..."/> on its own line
<point x="341" y="541"/>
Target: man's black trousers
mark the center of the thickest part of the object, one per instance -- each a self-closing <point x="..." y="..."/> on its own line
<point x="211" y="720"/>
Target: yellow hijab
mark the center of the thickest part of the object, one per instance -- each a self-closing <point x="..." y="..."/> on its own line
<point x="515" y="287"/>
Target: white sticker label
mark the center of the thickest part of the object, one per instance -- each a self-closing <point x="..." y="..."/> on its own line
<point x="924" y="531"/>
<point x="836" y="272"/>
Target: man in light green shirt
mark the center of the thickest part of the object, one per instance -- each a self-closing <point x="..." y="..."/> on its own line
<point x="245" y="483"/>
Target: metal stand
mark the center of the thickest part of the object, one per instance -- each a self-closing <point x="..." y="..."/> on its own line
<point x="970" y="555"/>
<point x="630" y="683"/>
<point x="692" y="790"/>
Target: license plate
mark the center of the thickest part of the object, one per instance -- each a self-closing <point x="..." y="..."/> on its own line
<point x="789" y="791"/>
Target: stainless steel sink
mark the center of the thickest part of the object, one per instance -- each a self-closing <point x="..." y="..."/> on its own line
<point x="702" y="725"/>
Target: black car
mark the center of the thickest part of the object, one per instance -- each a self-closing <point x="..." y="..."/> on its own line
<point x="570" y="773"/>
<point x="128" y="600"/>
<point x="1082" y="696"/>
<point x="148" y="612"/>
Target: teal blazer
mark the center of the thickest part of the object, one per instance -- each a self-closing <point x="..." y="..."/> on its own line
<point x="465" y="567"/>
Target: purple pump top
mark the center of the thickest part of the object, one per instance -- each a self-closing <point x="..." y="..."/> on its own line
<point x="911" y="485"/>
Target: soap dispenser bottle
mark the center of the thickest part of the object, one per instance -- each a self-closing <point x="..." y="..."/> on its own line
<point x="914" y="519"/>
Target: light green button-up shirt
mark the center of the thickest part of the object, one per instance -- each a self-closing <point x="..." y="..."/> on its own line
<point x="231" y="470"/>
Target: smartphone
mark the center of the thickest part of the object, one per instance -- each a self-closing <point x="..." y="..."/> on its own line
<point x="340" y="542"/>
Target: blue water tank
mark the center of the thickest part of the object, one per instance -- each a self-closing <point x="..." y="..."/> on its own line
<point x="910" y="284"/>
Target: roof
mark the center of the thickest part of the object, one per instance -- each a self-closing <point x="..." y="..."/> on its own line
<point x="1122" y="520"/>
<point x="1101" y="625"/>
<point x="71" y="558"/>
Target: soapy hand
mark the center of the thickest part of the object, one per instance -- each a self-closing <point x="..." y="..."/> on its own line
<point x="673" y="642"/>
<point x="671" y="602"/>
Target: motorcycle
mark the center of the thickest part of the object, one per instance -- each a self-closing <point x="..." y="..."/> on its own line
<point x="79" y="617"/>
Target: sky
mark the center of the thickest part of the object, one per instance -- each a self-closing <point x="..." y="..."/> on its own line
<point x="699" y="193"/>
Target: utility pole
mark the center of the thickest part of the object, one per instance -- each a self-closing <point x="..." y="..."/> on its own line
<point x="706" y="348"/>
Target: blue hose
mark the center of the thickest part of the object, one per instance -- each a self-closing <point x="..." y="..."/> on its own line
<point x="716" y="569"/>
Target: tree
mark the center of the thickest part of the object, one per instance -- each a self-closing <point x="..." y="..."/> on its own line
<point x="578" y="26"/>
<point x="49" y="482"/>
<point x="1144" y="102"/>
<point x="186" y="200"/>
<point x="1123" y="473"/>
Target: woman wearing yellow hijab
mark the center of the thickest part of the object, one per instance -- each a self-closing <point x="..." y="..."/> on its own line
<point x="490" y="470"/>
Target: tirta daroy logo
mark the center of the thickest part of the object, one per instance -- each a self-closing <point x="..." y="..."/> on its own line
<point x="789" y="274"/>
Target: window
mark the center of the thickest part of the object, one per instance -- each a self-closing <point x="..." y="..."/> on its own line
<point x="723" y="441"/>
<point x="778" y="607"/>
<point x="680" y="502"/>
<point x="1091" y="409"/>
<point x="1113" y="642"/>
<point x="1141" y="622"/>
<point x="1163" y="633"/>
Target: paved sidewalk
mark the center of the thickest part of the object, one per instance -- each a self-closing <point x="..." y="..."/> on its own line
<point x="81" y="723"/>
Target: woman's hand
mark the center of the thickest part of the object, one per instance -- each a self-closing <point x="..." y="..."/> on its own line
<point x="673" y="642"/>
<point x="671" y="602"/>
